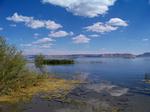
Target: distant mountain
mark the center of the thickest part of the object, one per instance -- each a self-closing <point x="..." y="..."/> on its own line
<point x="118" y="55"/>
<point x="147" y="54"/>
<point x="108" y="55"/>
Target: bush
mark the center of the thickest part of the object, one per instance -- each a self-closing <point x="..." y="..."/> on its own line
<point x="13" y="74"/>
<point x="11" y="65"/>
<point x="39" y="59"/>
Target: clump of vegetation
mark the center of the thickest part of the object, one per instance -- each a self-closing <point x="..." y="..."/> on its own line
<point x="18" y="83"/>
<point x="57" y="62"/>
<point x="40" y="61"/>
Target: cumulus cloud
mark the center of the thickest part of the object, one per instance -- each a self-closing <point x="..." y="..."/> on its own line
<point x="71" y="33"/>
<point x="43" y="41"/>
<point x="117" y="22"/>
<point x="19" y="18"/>
<point x="52" y="25"/>
<point x="101" y="27"/>
<point x="60" y="34"/>
<point x="81" y="39"/>
<point x="40" y="43"/>
<point x="112" y="25"/>
<point x="87" y="8"/>
<point x="33" y="23"/>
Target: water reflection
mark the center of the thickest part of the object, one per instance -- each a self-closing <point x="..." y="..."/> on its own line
<point x="82" y="77"/>
<point x="115" y="85"/>
<point x="113" y="90"/>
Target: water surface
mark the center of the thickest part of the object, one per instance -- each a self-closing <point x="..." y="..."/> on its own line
<point x="113" y="85"/>
<point x="125" y="72"/>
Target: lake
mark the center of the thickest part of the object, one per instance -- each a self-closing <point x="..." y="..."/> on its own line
<point x="114" y="85"/>
<point x="125" y="72"/>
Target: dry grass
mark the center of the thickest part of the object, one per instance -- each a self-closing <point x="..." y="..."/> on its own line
<point x="55" y="87"/>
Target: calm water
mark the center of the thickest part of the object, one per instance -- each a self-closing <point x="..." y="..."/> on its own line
<point x="113" y="82"/>
<point x="125" y="72"/>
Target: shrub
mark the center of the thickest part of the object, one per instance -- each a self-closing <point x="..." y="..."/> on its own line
<point x="39" y="59"/>
<point x="11" y="65"/>
<point x="13" y="74"/>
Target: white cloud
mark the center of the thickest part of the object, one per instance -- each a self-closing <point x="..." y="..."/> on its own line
<point x="60" y="34"/>
<point x="112" y="25"/>
<point x="52" y="25"/>
<point x="33" y="23"/>
<point x="1" y="28"/>
<point x="87" y="8"/>
<point x="81" y="39"/>
<point x="117" y="22"/>
<point x="40" y="43"/>
<point x="71" y="33"/>
<point x="43" y="41"/>
<point x="101" y="28"/>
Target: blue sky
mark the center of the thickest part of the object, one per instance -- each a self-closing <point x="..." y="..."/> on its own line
<point x="76" y="26"/>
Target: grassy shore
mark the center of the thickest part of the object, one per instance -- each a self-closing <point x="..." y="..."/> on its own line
<point x="18" y="83"/>
<point x="54" y="87"/>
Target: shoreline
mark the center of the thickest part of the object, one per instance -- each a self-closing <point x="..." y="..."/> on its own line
<point x="55" y="86"/>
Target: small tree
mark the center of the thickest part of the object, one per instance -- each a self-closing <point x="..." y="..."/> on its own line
<point x="39" y="60"/>
<point x="11" y="65"/>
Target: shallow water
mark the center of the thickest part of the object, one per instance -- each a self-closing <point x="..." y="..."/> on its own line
<point x="124" y="72"/>
<point x="114" y="85"/>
